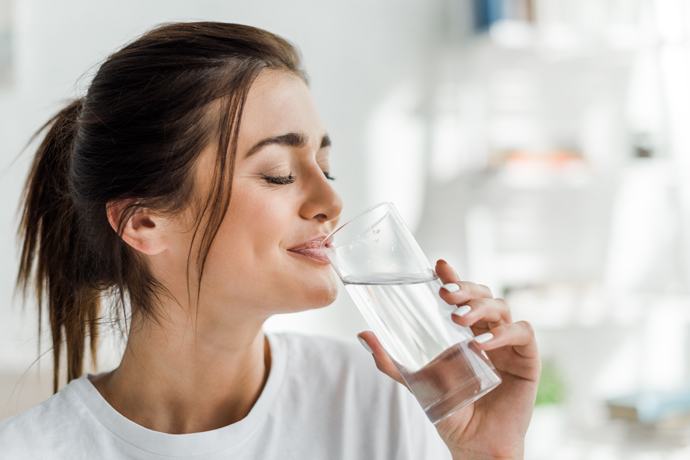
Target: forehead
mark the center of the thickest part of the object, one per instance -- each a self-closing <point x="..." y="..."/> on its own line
<point x="278" y="103"/>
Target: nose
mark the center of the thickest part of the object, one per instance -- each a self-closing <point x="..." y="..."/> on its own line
<point x="321" y="200"/>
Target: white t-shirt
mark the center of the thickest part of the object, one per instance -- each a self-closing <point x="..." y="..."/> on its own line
<point x="324" y="399"/>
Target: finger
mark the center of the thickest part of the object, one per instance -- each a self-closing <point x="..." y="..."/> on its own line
<point x="445" y="272"/>
<point x="383" y="361"/>
<point x="465" y="289"/>
<point x="461" y="292"/>
<point x="492" y="311"/>
<point x="519" y="335"/>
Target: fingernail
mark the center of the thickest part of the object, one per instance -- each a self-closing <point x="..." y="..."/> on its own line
<point x="462" y="311"/>
<point x="451" y="287"/>
<point x="484" y="337"/>
<point x="365" y="344"/>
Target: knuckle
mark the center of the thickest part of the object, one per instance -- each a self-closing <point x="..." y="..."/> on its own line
<point x="502" y="304"/>
<point x="528" y="328"/>
<point x="476" y="304"/>
<point x="486" y="290"/>
<point x="500" y="331"/>
<point x="464" y="285"/>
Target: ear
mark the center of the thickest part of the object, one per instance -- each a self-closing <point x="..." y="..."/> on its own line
<point x="144" y="231"/>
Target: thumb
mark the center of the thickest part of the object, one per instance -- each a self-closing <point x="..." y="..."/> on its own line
<point x="383" y="361"/>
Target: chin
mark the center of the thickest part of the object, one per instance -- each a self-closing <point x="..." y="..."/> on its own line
<point x="329" y="296"/>
<point x="315" y="296"/>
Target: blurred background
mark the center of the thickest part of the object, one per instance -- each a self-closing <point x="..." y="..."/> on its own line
<point x="542" y="147"/>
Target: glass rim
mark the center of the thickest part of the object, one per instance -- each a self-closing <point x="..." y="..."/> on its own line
<point x="330" y="236"/>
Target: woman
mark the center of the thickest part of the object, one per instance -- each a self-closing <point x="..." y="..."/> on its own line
<point x="192" y="181"/>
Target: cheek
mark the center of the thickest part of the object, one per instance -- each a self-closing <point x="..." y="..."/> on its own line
<point x="250" y="236"/>
<point x="249" y="262"/>
<point x="247" y="259"/>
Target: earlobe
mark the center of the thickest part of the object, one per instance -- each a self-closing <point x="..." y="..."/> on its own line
<point x="143" y="231"/>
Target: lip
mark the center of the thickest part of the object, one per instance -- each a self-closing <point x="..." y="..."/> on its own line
<point x="311" y="250"/>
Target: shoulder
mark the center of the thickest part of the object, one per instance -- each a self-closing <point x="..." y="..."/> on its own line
<point x="40" y="431"/>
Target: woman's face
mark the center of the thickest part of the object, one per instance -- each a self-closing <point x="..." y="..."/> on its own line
<point x="281" y="199"/>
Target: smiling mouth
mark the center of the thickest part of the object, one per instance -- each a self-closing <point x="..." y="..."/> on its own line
<point x="311" y="250"/>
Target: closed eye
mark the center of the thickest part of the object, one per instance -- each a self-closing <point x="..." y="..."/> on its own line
<point x="278" y="180"/>
<point x="289" y="179"/>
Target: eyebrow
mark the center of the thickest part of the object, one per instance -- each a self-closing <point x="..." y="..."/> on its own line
<point x="288" y="140"/>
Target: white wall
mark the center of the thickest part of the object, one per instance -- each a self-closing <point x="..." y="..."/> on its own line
<point x="354" y="52"/>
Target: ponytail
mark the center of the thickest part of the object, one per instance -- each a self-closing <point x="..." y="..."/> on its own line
<point x="53" y="247"/>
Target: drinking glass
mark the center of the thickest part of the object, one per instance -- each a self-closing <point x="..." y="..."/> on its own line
<point x="397" y="291"/>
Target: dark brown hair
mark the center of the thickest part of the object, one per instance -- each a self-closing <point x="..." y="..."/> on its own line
<point x="134" y="139"/>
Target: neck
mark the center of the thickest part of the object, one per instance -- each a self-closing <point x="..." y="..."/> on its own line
<point x="177" y="378"/>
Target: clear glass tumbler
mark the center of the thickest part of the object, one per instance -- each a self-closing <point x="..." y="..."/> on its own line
<point x="396" y="289"/>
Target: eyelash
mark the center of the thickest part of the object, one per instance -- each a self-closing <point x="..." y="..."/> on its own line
<point x="286" y="180"/>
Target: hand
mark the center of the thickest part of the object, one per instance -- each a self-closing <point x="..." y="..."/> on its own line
<point x="493" y="427"/>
